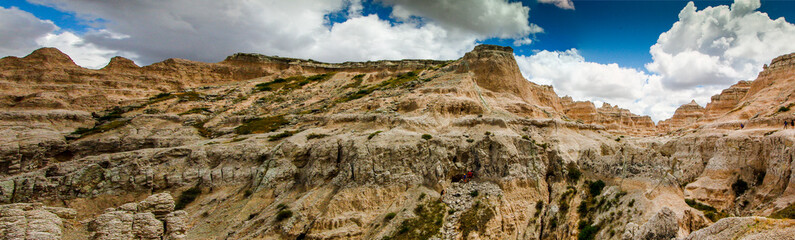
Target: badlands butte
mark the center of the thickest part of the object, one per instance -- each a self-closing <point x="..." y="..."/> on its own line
<point x="260" y="147"/>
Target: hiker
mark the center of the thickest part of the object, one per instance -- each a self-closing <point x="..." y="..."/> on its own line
<point x="469" y="174"/>
<point x="465" y="178"/>
<point x="742" y="126"/>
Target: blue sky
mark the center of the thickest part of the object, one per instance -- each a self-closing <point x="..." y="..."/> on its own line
<point x="623" y="52"/>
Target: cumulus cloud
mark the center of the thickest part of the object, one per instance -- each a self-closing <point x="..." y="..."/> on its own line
<point x="564" y="4"/>
<point x="209" y="30"/>
<point x="20" y="30"/>
<point x="489" y="18"/>
<point x="719" y="46"/>
<point x="570" y="74"/>
<point x="23" y="33"/>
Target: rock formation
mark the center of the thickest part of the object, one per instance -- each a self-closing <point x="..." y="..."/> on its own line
<point x="267" y="147"/>
<point x="33" y="221"/>
<point x="152" y="218"/>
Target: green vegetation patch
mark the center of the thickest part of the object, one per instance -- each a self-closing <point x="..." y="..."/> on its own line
<point x="595" y="188"/>
<point x="372" y="135"/>
<point x="290" y="83"/>
<point x="280" y="136"/>
<point x="261" y="125"/>
<point x="82" y="132"/>
<point x="426" y="225"/>
<point x="475" y="218"/>
<point x="389" y="216"/>
<point x="187" y="197"/>
<point x="316" y="136"/>
<point x="426" y="136"/>
<point x="709" y="211"/>
<point x="357" y="81"/>
<point x="397" y="81"/>
<point x="787" y="212"/>
<point x="573" y="172"/>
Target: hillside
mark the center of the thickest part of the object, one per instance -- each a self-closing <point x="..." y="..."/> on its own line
<point x="260" y="147"/>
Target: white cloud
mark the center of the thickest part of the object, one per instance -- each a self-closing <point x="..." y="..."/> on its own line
<point x="19" y="31"/>
<point x="209" y="30"/>
<point x="719" y="46"/>
<point x="489" y="18"/>
<point x="23" y="33"/>
<point x="570" y="74"/>
<point x="564" y="4"/>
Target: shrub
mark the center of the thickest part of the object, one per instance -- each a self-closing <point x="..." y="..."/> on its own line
<point x="389" y="216"/>
<point x="315" y="136"/>
<point x="372" y="135"/>
<point x="475" y="219"/>
<point x="422" y="195"/>
<point x="573" y="172"/>
<point x="588" y="233"/>
<point x="187" y="197"/>
<point x="426" y="136"/>
<point x="281" y="206"/>
<point x="595" y="188"/>
<point x="739" y="187"/>
<point x="357" y="81"/>
<point x="469" y="140"/>
<point x="280" y="136"/>
<point x="783" y="109"/>
<point x="247" y="193"/>
<point x="261" y="125"/>
<point x="283" y="214"/>
<point x="487" y="133"/>
<point x="473" y="193"/>
<point x="525" y="137"/>
<point x="631" y="203"/>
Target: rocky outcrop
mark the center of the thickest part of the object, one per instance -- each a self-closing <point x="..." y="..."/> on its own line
<point x="727" y="100"/>
<point x="613" y="118"/>
<point x="663" y="225"/>
<point x="684" y="116"/>
<point x="747" y="228"/>
<point x="33" y="221"/>
<point x="152" y="218"/>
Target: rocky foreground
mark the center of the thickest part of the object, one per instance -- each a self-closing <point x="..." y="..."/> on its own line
<point x="259" y="147"/>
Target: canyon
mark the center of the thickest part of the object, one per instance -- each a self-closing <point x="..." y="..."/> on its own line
<point x="263" y="147"/>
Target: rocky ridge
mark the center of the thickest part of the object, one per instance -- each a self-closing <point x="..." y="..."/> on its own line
<point x="267" y="147"/>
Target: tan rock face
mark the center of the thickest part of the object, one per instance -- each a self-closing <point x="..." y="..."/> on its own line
<point x="747" y="228"/>
<point x="152" y="218"/>
<point x="32" y="221"/>
<point x="613" y="118"/>
<point x="366" y="152"/>
<point x="684" y="116"/>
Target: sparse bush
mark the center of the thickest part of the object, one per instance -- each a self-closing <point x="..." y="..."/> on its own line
<point x="487" y="133"/>
<point x="525" y="137"/>
<point x="281" y="206"/>
<point x="588" y="233"/>
<point x="426" y="136"/>
<point x="262" y="125"/>
<point x="389" y="216"/>
<point x="372" y="135"/>
<point x="247" y="193"/>
<point x="783" y="109"/>
<point x="315" y="136"/>
<point x="595" y="188"/>
<point x="473" y="193"/>
<point x="187" y="197"/>
<point x="573" y="172"/>
<point x="280" y="136"/>
<point x="469" y="140"/>
<point x="422" y="195"/>
<point x="283" y="214"/>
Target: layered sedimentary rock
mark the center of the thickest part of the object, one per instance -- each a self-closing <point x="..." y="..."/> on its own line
<point x="684" y="116"/>
<point x="611" y="117"/>
<point x="277" y="148"/>
<point x="152" y="218"/>
<point x="33" y="221"/>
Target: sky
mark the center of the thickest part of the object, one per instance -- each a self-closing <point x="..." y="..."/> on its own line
<point x="649" y="56"/>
